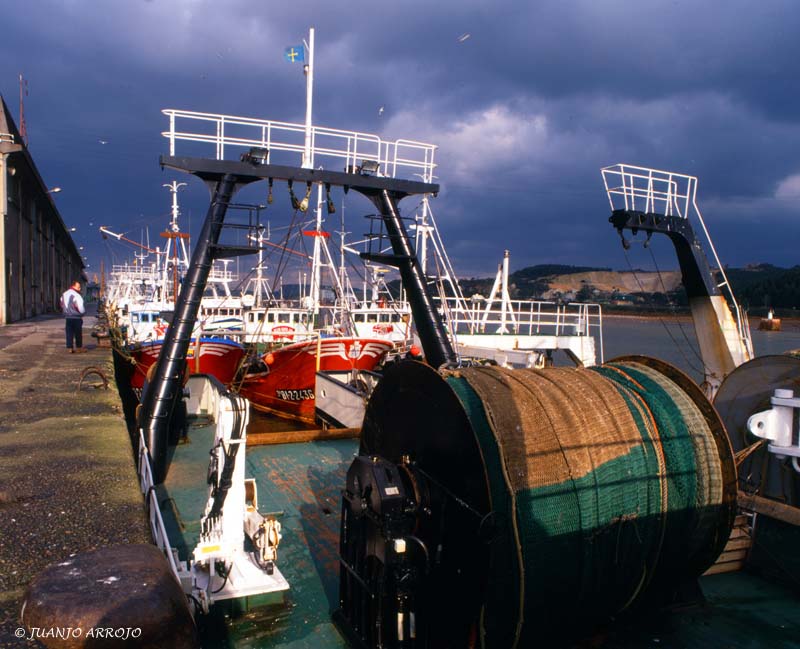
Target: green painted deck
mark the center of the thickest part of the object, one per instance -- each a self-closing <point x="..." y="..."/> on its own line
<point x="741" y="611"/>
<point x="304" y="482"/>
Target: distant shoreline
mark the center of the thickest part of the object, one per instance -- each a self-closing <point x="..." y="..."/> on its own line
<point x="675" y="317"/>
<point x="791" y="321"/>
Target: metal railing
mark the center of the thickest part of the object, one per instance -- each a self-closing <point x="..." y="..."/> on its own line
<point x="157" y="527"/>
<point x="649" y="190"/>
<point x="230" y="135"/>
<point x="525" y="318"/>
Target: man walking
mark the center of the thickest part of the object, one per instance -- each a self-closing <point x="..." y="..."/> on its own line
<point x="73" y="309"/>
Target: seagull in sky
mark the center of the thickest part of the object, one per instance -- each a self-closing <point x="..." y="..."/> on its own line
<point x="380" y="111"/>
<point x="464" y="37"/>
<point x="103" y="141"/>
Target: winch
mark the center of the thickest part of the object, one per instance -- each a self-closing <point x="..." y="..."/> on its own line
<point x="493" y="507"/>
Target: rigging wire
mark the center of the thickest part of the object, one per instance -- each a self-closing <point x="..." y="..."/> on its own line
<point x="689" y="343"/>
<point x="664" y="324"/>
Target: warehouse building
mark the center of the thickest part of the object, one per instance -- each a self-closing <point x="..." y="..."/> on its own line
<point x="38" y="258"/>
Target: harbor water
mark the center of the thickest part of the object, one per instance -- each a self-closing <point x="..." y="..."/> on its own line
<point x="672" y="339"/>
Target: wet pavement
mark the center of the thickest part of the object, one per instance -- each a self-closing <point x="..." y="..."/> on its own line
<point x="67" y="480"/>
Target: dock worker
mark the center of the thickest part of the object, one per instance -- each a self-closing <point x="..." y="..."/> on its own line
<point x="73" y="309"/>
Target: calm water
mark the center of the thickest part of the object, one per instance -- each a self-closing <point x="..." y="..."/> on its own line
<point x="674" y="341"/>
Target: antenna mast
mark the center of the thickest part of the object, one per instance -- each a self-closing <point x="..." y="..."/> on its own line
<point x="174" y="236"/>
<point x="23" y="92"/>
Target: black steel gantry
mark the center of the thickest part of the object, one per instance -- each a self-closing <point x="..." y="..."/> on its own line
<point x="224" y="178"/>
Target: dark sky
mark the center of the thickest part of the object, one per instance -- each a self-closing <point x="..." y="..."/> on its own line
<point x="526" y="101"/>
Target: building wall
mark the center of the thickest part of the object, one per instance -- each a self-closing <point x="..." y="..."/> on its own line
<point x="39" y="259"/>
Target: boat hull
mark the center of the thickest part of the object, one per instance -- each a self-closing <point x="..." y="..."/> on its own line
<point x="219" y="357"/>
<point x="286" y="386"/>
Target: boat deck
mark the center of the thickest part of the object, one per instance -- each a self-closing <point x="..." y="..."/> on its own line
<point x="304" y="482"/>
<point x="301" y="481"/>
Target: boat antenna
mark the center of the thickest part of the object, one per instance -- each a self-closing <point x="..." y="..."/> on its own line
<point x="173" y="187"/>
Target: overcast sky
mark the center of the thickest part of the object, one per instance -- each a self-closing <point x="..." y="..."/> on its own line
<point x="526" y="100"/>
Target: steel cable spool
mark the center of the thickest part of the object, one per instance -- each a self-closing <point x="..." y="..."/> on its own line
<point x="744" y="392"/>
<point x="572" y="494"/>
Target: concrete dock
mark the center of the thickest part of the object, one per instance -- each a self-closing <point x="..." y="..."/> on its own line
<point x="67" y="479"/>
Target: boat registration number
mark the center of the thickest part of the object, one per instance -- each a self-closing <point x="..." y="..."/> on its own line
<point x="295" y="395"/>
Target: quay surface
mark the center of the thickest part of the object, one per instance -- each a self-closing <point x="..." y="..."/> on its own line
<point x="67" y="479"/>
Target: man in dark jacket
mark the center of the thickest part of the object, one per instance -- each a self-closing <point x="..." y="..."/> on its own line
<point x="73" y="309"/>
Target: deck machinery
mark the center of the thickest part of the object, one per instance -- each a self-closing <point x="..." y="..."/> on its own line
<point x="488" y="506"/>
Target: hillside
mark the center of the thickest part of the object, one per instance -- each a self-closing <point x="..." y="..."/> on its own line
<point x="557" y="281"/>
<point x="757" y="287"/>
<point x="763" y="286"/>
<point x="624" y="282"/>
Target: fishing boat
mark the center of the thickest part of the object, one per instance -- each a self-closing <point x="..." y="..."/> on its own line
<point x="308" y="335"/>
<point x="218" y="357"/>
<point x="143" y="302"/>
<point x="283" y="382"/>
<point x="425" y="550"/>
<point x="481" y="506"/>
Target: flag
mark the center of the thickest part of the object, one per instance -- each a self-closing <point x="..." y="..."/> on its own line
<point x="294" y="54"/>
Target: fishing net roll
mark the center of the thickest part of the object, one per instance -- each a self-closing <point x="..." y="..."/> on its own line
<point x="615" y="483"/>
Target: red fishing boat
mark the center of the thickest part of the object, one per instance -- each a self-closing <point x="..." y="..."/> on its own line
<point x="219" y="357"/>
<point x="283" y="381"/>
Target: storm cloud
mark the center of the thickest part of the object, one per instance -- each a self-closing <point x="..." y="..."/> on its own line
<point x="526" y="101"/>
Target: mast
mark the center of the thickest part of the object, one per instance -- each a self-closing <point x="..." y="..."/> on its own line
<point x="259" y="286"/>
<point x="316" y="267"/>
<point x="308" y="159"/>
<point x="173" y="235"/>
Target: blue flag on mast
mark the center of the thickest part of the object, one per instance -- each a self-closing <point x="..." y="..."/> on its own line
<point x="294" y="54"/>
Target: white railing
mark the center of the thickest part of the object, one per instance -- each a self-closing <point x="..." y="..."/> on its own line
<point x="157" y="527"/>
<point x="526" y="318"/>
<point x="649" y="190"/>
<point x="129" y="272"/>
<point x="332" y="148"/>
<point x="7" y="138"/>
